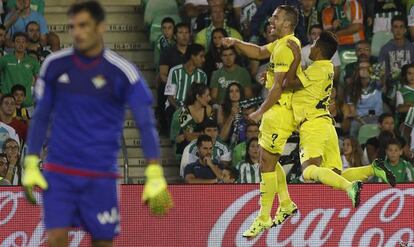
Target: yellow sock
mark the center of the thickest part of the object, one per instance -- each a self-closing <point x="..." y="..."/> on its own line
<point x="267" y="194"/>
<point x="282" y="189"/>
<point x="358" y="173"/>
<point x="326" y="176"/>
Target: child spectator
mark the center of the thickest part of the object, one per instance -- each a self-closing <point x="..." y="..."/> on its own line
<point x="230" y="175"/>
<point x="249" y="171"/>
<point x="7" y="109"/>
<point x="405" y="94"/>
<point x="12" y="150"/>
<point x="351" y="153"/>
<point x="166" y="39"/>
<point x="239" y="151"/>
<point x="402" y="170"/>
<point x="19" y="94"/>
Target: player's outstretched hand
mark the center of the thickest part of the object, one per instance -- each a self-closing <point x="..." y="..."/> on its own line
<point x="256" y="116"/>
<point x="155" y="193"/>
<point x="295" y="49"/>
<point x="32" y="177"/>
<point x="227" y="42"/>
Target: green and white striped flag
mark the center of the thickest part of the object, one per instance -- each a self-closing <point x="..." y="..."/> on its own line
<point x="409" y="119"/>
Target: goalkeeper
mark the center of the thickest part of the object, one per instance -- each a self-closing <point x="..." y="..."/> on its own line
<point x="81" y="97"/>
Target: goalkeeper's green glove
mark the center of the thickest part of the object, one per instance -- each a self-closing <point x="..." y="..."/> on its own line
<point x="155" y="192"/>
<point x="32" y="177"/>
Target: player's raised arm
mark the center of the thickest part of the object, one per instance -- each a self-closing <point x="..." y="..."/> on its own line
<point x="155" y="191"/>
<point x="250" y="50"/>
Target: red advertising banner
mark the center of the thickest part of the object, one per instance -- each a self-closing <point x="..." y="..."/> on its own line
<point x="216" y="215"/>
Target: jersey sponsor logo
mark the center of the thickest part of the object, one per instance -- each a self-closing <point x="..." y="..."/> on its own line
<point x="108" y="217"/>
<point x="99" y="81"/>
<point x="64" y="78"/>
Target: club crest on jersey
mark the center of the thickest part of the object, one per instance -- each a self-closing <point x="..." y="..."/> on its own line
<point x="64" y="78"/>
<point x="99" y="81"/>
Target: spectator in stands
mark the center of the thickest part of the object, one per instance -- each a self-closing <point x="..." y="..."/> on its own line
<point x="249" y="171"/>
<point x="230" y="175"/>
<point x="33" y="33"/>
<point x="194" y="8"/>
<point x="19" y="94"/>
<point x="402" y="169"/>
<point x="35" y="5"/>
<point x="239" y="151"/>
<point x="221" y="154"/>
<point x="204" y="19"/>
<point x="19" y="67"/>
<point x="188" y="121"/>
<point x="213" y="58"/>
<point x="266" y="10"/>
<point x="169" y="59"/>
<point x="182" y="76"/>
<point x="204" y="170"/>
<point x="166" y="39"/>
<point x="229" y="110"/>
<point x="230" y="72"/>
<point x="410" y="18"/>
<point x="12" y="150"/>
<point x="405" y="94"/>
<point x="217" y="21"/>
<point x="244" y="11"/>
<point x="17" y="19"/>
<point x="314" y="32"/>
<point x="379" y="14"/>
<point x="345" y="19"/>
<point x="311" y="17"/>
<point x="7" y="110"/>
<point x="340" y="112"/>
<point x="4" y="166"/>
<point x="351" y="153"/>
<point x="393" y="55"/>
<point x="365" y="98"/>
<point x="7" y="132"/>
<point x="363" y="53"/>
<point x="2" y="40"/>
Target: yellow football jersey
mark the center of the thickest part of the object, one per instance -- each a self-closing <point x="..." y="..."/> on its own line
<point x="312" y="100"/>
<point x="280" y="60"/>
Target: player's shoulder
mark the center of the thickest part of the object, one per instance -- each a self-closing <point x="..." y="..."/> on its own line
<point x="55" y="58"/>
<point x="122" y="65"/>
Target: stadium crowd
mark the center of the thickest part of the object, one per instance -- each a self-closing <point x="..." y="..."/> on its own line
<point x="206" y="91"/>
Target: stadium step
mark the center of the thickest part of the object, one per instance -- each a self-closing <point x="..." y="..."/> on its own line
<point x="112" y="37"/>
<point x="109" y="9"/>
<point x="136" y="174"/>
<point x="135" y="162"/>
<point x="105" y="3"/>
<point x="136" y="152"/>
<point x="127" y="19"/>
<point x="137" y="142"/>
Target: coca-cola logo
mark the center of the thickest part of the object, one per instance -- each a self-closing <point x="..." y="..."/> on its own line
<point x="9" y="206"/>
<point x="314" y="228"/>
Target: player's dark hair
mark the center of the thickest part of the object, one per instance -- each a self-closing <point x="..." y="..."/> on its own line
<point x="168" y="20"/>
<point x="404" y="73"/>
<point x="399" y="18"/>
<point x="247" y="158"/>
<point x="203" y="138"/>
<point x="2" y="27"/>
<point x="94" y="8"/>
<point x="193" y="50"/>
<point x="209" y="123"/>
<point x="196" y="89"/>
<point x="383" y="116"/>
<point x="291" y="14"/>
<point x="227" y="104"/>
<point x="234" y="173"/>
<point x="327" y="44"/>
<point x="181" y="25"/>
<point x="5" y="96"/>
<point x="20" y="34"/>
<point x="393" y="141"/>
<point x="30" y="23"/>
<point x="228" y="48"/>
<point x="317" y="26"/>
<point x="18" y="87"/>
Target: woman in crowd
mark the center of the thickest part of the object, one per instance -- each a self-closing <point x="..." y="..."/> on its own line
<point x="192" y="116"/>
<point x="213" y="59"/>
<point x="351" y="153"/>
<point x="249" y="168"/>
<point x="229" y="113"/>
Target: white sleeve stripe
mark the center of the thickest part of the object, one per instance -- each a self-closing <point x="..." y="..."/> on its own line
<point x="126" y="67"/>
<point x="53" y="57"/>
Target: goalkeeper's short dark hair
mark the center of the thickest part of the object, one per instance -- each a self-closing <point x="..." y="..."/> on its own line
<point x="93" y="7"/>
<point x="328" y="44"/>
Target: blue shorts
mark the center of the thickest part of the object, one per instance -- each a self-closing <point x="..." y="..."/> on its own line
<point x="73" y="201"/>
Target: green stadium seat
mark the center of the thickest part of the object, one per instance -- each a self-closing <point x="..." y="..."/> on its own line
<point x="155" y="29"/>
<point x="367" y="131"/>
<point x="156" y="8"/>
<point x="378" y="41"/>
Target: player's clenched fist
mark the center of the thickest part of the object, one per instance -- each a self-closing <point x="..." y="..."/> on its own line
<point x="32" y="177"/>
<point x="155" y="192"/>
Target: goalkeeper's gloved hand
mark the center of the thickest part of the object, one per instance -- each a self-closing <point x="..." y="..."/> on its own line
<point x="32" y="177"/>
<point x="155" y="192"/>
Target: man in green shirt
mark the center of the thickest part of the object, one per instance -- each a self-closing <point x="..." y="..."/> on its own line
<point x="239" y="152"/>
<point x="231" y="72"/>
<point x="19" y="68"/>
<point x="402" y="170"/>
<point x="35" y="5"/>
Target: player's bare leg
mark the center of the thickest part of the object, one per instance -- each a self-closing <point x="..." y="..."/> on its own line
<point x="102" y="243"/>
<point x="58" y="237"/>
<point x="312" y="171"/>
